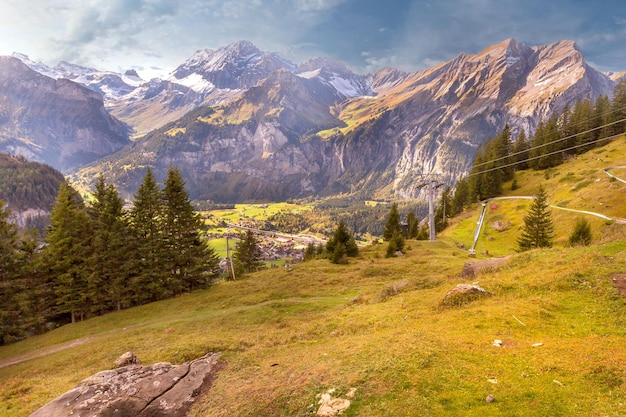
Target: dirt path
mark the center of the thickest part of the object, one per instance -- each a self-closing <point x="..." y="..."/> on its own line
<point x="43" y="352"/>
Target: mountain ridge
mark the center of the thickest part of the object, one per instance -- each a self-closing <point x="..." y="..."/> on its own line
<point x="382" y="138"/>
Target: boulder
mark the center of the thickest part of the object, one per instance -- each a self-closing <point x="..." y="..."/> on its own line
<point x="157" y="390"/>
<point x="463" y="294"/>
<point x="471" y="269"/>
<point x="128" y="358"/>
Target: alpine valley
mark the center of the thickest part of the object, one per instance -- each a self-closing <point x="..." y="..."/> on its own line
<point x="246" y="125"/>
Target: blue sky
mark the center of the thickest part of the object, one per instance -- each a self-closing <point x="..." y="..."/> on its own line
<point x="155" y="36"/>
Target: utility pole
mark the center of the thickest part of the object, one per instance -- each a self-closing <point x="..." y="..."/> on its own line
<point x="432" y="185"/>
<point x="230" y="259"/>
<point x="431" y="212"/>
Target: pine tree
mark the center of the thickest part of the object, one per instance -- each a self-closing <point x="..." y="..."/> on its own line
<point x="9" y="308"/>
<point x="537" y="149"/>
<point x="393" y="223"/>
<point x="581" y="235"/>
<point x="341" y="245"/>
<point x="247" y="256"/>
<point x="146" y="221"/>
<point x="190" y="261"/>
<point x="521" y="151"/>
<point x="412" y="225"/>
<point x="618" y="110"/>
<point x="443" y="210"/>
<point x="582" y="116"/>
<point x="460" y="198"/>
<point x="537" y="231"/>
<point x="68" y="251"/>
<point x="113" y="257"/>
<point x="551" y="156"/>
<point x="396" y="244"/>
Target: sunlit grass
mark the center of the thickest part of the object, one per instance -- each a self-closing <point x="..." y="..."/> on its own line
<point x="378" y="325"/>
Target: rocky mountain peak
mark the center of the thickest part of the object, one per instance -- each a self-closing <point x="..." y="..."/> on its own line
<point x="337" y="75"/>
<point x="239" y="65"/>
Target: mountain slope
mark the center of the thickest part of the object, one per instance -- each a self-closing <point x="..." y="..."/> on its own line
<point x="28" y="189"/>
<point x="57" y="122"/>
<point x="334" y="132"/>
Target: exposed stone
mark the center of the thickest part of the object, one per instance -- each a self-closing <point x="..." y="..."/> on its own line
<point x="473" y="268"/>
<point x="158" y="390"/>
<point x="462" y="294"/>
<point x="330" y="406"/>
<point x="128" y="358"/>
<point x="490" y="398"/>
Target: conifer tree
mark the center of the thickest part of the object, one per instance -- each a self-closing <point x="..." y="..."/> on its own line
<point x="618" y="110"/>
<point x="521" y="151"/>
<point x="537" y="149"/>
<point x="68" y="251"/>
<point x="537" y="231"/>
<point x="146" y="224"/>
<point x="601" y="117"/>
<point x="247" y="256"/>
<point x="551" y="157"/>
<point x="190" y="261"/>
<point x="443" y="210"/>
<point x="460" y="198"/>
<point x="113" y="258"/>
<point x="412" y="225"/>
<point x="396" y="244"/>
<point x="341" y="245"/>
<point x="582" y="116"/>
<point x="9" y="308"/>
<point x="393" y="223"/>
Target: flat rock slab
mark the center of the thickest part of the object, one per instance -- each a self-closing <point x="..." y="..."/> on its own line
<point x="157" y="390"/>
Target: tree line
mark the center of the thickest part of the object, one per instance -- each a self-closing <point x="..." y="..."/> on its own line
<point x="565" y="134"/>
<point x="97" y="256"/>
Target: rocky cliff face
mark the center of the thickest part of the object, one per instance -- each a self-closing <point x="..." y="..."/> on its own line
<point x="274" y="130"/>
<point x="323" y="131"/>
<point x="54" y="121"/>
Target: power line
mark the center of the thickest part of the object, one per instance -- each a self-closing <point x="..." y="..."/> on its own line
<point x="549" y="143"/>
<point x="547" y="154"/>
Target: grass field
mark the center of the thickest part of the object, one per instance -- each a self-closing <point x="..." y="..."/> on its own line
<point x="378" y="325"/>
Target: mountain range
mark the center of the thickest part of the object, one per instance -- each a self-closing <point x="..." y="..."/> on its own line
<point x="244" y="125"/>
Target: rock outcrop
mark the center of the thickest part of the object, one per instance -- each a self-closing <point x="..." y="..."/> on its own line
<point x="157" y="390"/>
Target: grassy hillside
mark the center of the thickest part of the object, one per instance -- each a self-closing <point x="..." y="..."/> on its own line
<point x="378" y="325"/>
<point x="580" y="184"/>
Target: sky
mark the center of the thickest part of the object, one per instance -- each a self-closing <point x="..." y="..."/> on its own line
<point x="155" y="36"/>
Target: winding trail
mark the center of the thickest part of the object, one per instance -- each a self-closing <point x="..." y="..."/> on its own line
<point x="481" y="219"/>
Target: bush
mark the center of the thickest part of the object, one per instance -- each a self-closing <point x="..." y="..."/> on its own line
<point x="581" y="236"/>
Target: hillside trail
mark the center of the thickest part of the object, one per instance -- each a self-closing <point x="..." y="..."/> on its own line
<point x="38" y="353"/>
<point x="13" y="360"/>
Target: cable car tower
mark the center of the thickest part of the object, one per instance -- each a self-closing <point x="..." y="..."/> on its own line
<point x="431" y="184"/>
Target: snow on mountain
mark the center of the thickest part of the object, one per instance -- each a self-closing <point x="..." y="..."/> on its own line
<point x="337" y="75"/>
<point x="240" y="65"/>
<point x="110" y="85"/>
